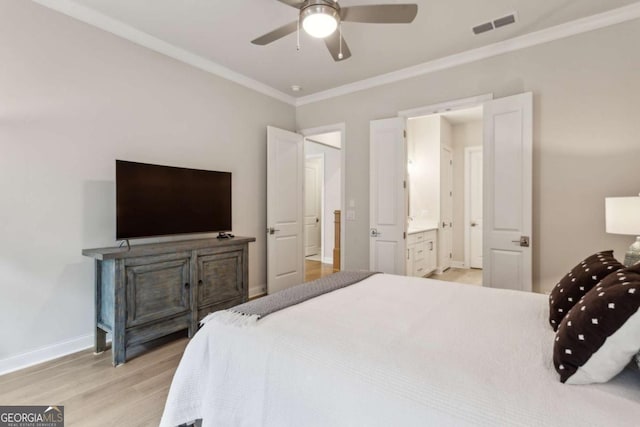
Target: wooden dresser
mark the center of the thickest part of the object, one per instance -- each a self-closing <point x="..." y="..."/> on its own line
<point x="149" y="291"/>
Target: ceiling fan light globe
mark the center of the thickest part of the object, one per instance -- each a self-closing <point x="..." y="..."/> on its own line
<point x="319" y="21"/>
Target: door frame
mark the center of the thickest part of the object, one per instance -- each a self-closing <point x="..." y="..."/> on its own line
<point x="441" y="261"/>
<point x="467" y="198"/>
<point x="320" y="157"/>
<point x="445" y="107"/>
<point x="336" y="127"/>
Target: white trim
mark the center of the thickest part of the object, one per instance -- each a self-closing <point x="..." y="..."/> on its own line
<point x="447" y="106"/>
<point x="327" y="260"/>
<point x="321" y="143"/>
<point x="119" y="28"/>
<point x="578" y="26"/>
<point x="257" y="290"/>
<point x="458" y="264"/>
<point x="342" y="128"/>
<point x="44" y="354"/>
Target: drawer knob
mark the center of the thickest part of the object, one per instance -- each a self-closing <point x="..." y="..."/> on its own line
<point x="186" y="285"/>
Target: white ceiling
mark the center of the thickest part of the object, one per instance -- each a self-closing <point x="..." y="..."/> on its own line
<point x="220" y="32"/>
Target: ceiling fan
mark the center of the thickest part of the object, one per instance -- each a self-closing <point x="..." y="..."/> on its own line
<point x="321" y="18"/>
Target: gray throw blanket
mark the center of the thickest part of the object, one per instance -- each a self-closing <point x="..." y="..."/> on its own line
<point x="252" y="311"/>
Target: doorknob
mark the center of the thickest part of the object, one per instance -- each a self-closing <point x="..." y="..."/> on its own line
<point x="524" y="241"/>
<point x="473" y="223"/>
<point x="374" y="233"/>
<point x="272" y="230"/>
<point x="317" y="220"/>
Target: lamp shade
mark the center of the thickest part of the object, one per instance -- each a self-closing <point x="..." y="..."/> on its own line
<point x="623" y="215"/>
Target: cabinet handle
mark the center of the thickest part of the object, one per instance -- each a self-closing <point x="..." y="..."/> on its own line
<point x="199" y="282"/>
<point x="186" y="285"/>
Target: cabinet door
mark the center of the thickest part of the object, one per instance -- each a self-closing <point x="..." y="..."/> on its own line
<point x="157" y="287"/>
<point x="409" y="260"/>
<point x="220" y="277"/>
<point x="432" y="255"/>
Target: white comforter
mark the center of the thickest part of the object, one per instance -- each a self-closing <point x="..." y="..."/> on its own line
<point x="392" y="351"/>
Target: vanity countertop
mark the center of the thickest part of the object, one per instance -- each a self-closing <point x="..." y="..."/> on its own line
<point x="413" y="229"/>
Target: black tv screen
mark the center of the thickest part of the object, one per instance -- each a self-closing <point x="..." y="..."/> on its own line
<point x="154" y="200"/>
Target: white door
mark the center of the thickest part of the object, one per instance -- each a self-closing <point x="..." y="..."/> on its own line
<point x="387" y="195"/>
<point x="508" y="194"/>
<point x="445" y="233"/>
<point x="312" y="205"/>
<point x="473" y="206"/>
<point x="285" y="180"/>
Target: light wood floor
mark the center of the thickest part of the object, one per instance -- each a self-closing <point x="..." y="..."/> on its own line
<point x="315" y="269"/>
<point x="470" y="276"/>
<point x="93" y="392"/>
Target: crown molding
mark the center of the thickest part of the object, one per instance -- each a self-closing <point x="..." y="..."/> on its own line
<point x="568" y="29"/>
<point x="120" y="29"/>
<point x="578" y="26"/>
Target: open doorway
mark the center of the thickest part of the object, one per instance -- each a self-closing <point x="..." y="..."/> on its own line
<point x="445" y="193"/>
<point x="507" y="138"/>
<point x="322" y="202"/>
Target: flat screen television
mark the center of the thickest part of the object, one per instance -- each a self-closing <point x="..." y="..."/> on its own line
<point x="154" y="200"/>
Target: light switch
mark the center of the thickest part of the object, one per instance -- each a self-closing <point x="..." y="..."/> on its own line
<point x="351" y="215"/>
<point x="352" y="203"/>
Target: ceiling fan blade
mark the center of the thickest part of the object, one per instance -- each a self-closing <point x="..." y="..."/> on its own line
<point x="333" y="44"/>
<point x="276" y="34"/>
<point x="380" y="14"/>
<point x="293" y="3"/>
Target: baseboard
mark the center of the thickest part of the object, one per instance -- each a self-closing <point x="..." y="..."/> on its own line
<point x="44" y="354"/>
<point x="257" y="290"/>
<point x="458" y="264"/>
<point x="327" y="260"/>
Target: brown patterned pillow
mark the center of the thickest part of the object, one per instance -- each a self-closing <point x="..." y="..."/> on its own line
<point x="601" y="333"/>
<point x="578" y="282"/>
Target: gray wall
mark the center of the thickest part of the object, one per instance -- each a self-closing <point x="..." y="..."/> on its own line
<point x="586" y="127"/>
<point x="72" y="99"/>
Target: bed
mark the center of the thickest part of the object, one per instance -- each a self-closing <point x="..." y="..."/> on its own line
<point x="393" y="350"/>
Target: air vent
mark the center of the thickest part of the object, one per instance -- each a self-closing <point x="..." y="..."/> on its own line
<point x="483" y="28"/>
<point x="496" y="23"/>
<point x="506" y="20"/>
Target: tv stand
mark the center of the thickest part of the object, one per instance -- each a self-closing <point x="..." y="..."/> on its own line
<point x="149" y="291"/>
